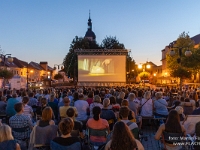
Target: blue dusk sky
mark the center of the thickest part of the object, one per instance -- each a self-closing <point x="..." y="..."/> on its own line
<point x="42" y="30"/>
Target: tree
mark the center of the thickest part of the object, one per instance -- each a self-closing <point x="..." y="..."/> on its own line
<point x="6" y="74"/>
<point x="70" y="60"/>
<point x="58" y="76"/>
<point x="179" y="65"/>
<point x="144" y="75"/>
<point x="111" y="43"/>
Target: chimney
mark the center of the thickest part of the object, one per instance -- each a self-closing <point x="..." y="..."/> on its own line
<point x="44" y="65"/>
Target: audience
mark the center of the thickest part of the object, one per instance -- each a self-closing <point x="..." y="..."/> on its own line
<point x="76" y="110"/>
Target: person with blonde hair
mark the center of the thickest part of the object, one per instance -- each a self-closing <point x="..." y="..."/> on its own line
<point x="7" y="141"/>
<point x="180" y="110"/>
<point x="96" y="102"/>
<point x="120" y="97"/>
<point x="147" y="105"/>
<point x="107" y="113"/>
<point x="160" y="105"/>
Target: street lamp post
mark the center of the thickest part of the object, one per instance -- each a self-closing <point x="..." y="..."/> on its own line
<point x="172" y="53"/>
<point x="3" y="58"/>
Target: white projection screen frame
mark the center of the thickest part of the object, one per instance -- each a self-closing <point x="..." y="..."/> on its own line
<point x="101" y="68"/>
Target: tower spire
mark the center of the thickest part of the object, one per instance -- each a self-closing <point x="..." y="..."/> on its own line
<point x="90" y="34"/>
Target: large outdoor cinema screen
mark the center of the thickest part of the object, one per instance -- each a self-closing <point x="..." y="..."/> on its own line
<point x="106" y="68"/>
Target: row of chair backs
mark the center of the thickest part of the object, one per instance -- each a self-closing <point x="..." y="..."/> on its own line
<point x="97" y="132"/>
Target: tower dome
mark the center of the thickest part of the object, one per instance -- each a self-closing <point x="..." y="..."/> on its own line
<point x="90" y="34"/>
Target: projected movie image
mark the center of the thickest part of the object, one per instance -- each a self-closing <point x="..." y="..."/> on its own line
<point x="101" y="68"/>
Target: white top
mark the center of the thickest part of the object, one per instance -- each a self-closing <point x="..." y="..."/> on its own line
<point x="81" y="106"/>
<point x="147" y="108"/>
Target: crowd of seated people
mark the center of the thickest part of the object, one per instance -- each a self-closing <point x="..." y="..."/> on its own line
<point x="71" y="114"/>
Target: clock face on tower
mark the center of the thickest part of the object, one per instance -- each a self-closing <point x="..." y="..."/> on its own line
<point x="89" y="27"/>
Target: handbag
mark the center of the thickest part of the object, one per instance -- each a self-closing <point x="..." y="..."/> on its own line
<point x="140" y="108"/>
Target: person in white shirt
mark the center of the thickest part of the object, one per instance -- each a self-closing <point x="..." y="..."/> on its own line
<point x="147" y="105"/>
<point x="82" y="107"/>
